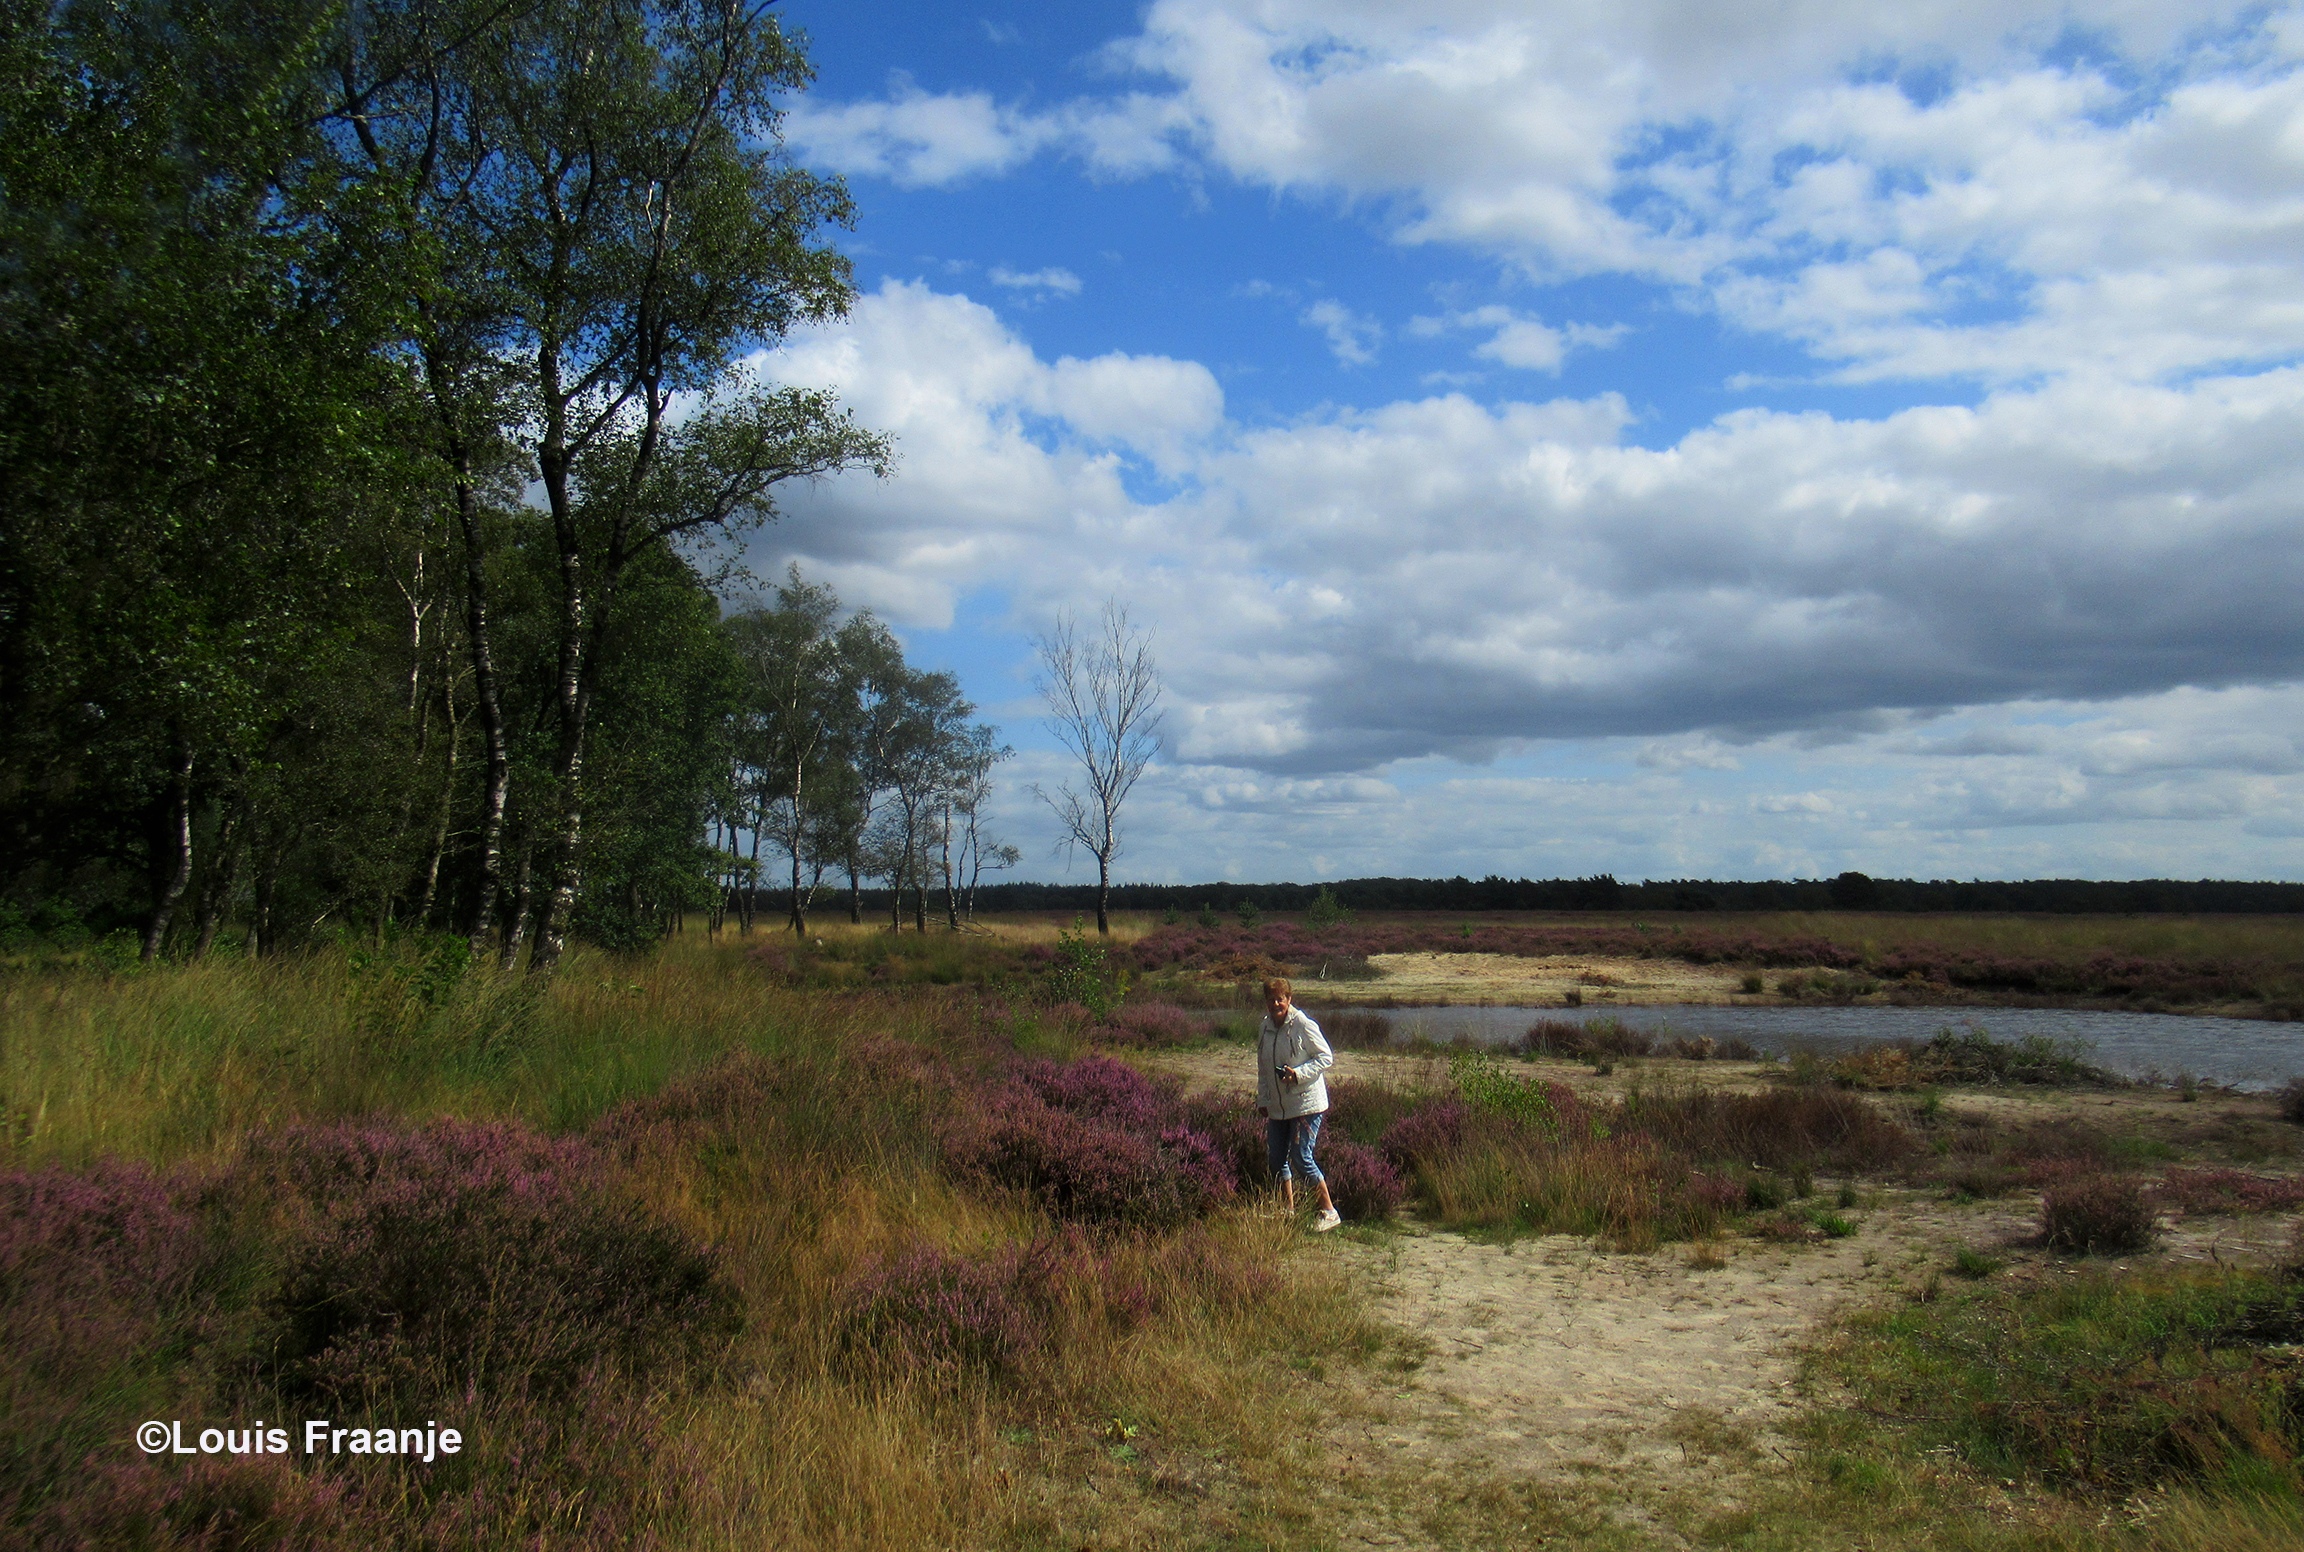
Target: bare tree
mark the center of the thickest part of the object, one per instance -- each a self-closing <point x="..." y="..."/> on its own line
<point x="1103" y="698"/>
<point x="970" y="850"/>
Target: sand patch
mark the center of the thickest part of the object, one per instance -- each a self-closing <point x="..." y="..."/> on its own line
<point x="1597" y="979"/>
<point x="1641" y="1391"/>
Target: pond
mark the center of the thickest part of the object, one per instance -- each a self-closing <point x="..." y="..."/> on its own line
<point x="2245" y="1053"/>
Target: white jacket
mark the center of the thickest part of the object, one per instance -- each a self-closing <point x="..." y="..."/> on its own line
<point x="1297" y="1043"/>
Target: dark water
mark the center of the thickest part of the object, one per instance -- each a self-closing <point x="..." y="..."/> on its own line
<point x="2245" y="1053"/>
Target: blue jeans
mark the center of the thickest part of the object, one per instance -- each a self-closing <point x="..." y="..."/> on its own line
<point x="1288" y="1146"/>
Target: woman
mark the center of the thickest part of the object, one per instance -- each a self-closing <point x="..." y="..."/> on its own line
<point x="1292" y="1096"/>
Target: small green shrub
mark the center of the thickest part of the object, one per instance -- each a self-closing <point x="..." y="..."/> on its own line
<point x="1080" y="974"/>
<point x="1545" y="1109"/>
<point x="1327" y="911"/>
<point x="1974" y="1264"/>
<point x="1753" y="984"/>
<point x="1248" y="914"/>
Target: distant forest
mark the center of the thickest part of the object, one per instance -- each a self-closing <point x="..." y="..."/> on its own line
<point x="1848" y="892"/>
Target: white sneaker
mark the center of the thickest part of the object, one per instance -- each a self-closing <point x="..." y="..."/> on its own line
<point x="1329" y="1218"/>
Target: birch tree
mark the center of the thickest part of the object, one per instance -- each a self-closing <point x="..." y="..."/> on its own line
<point x="1103" y="697"/>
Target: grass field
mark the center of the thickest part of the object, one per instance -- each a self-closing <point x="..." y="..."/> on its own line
<point x="861" y="1244"/>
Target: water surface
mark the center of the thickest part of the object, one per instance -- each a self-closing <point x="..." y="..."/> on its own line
<point x="2245" y="1053"/>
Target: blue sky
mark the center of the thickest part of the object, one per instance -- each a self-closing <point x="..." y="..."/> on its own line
<point x="1626" y="438"/>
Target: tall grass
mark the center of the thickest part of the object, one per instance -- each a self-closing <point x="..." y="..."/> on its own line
<point x="180" y="1063"/>
<point x="652" y="1130"/>
<point x="2098" y="1382"/>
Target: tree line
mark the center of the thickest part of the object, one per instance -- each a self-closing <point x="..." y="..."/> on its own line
<point x="1849" y="891"/>
<point x="376" y="441"/>
<point x="847" y="762"/>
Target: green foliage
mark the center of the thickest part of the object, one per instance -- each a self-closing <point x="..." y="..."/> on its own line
<point x="1247" y="913"/>
<point x="1210" y="921"/>
<point x="1482" y="1080"/>
<point x="1081" y="973"/>
<point x="1327" y="911"/>
<point x="270" y="578"/>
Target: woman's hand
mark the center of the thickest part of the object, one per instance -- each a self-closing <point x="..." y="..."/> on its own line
<point x="1263" y="1114"/>
<point x="1287" y="1075"/>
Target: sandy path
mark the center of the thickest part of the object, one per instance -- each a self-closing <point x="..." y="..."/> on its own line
<point x="1639" y="1389"/>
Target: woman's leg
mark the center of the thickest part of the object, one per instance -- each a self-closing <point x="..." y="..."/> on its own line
<point x="1300" y="1157"/>
<point x="1278" y="1139"/>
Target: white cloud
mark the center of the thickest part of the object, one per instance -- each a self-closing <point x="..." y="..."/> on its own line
<point x="2023" y="216"/>
<point x="1352" y="337"/>
<point x="1061" y="281"/>
<point x="1436" y="577"/>
<point x="915" y="138"/>
<point x="1516" y="340"/>
<point x="1686" y="754"/>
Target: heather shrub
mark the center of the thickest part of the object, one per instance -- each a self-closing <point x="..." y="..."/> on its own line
<point x="1102" y="1087"/>
<point x="244" y="1504"/>
<point x="1094" y="1141"/>
<point x="1787" y="1228"/>
<point x="1596" y="1037"/>
<point x="467" y="1257"/>
<point x="1205" y="1168"/>
<point x="1364" y="1111"/>
<point x="98" y="1271"/>
<point x="2044" y="1151"/>
<point x="1775" y="1129"/>
<point x="88" y="1258"/>
<point x="2091" y="1213"/>
<point x="929" y="1311"/>
<point x="2226" y="1191"/>
<point x="1361" y="1181"/>
<point x="1713" y="1196"/>
<point x="1429" y="1132"/>
<point x="1235" y="1131"/>
<point x="1151" y="1024"/>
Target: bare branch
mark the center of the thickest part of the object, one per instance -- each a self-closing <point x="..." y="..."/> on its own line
<point x="1103" y="698"/>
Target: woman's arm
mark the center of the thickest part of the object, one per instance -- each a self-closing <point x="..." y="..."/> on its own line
<point x="1320" y="1057"/>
